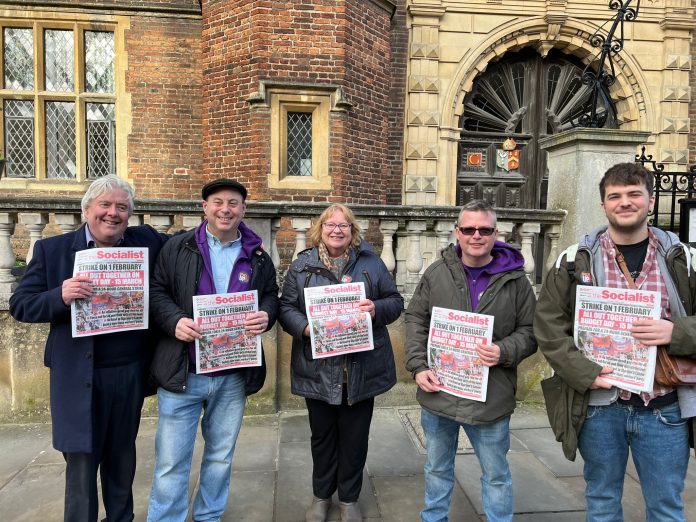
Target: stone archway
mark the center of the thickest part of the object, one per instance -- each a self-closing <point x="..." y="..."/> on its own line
<point x="521" y="98"/>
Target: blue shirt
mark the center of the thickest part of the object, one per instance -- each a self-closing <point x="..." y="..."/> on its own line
<point x="91" y="243"/>
<point x="222" y="259"/>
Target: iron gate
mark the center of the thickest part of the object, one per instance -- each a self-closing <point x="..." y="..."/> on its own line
<point x="675" y="196"/>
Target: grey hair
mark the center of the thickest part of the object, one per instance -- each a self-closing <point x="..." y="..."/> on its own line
<point x="478" y="205"/>
<point x="103" y="184"/>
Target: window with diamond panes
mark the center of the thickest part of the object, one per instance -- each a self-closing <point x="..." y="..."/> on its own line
<point x="299" y="144"/>
<point x="19" y="134"/>
<point x="101" y="133"/>
<point x="59" y="118"/>
<point x="99" y="61"/>
<point x="59" y="61"/>
<point x="60" y="140"/>
<point x="18" y="55"/>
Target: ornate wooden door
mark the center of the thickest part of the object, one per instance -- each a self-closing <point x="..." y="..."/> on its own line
<point x="524" y="97"/>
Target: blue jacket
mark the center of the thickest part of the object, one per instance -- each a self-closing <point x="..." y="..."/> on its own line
<point x="38" y="299"/>
<point x="369" y="373"/>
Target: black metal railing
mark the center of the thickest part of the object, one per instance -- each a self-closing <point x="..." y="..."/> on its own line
<point x="671" y="190"/>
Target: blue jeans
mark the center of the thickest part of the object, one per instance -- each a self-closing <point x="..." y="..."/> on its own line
<point x="222" y="400"/>
<point x="659" y="442"/>
<point x="491" y="443"/>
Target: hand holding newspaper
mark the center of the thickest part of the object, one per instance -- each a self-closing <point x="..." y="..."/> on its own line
<point x="120" y="291"/>
<point x="452" y="354"/>
<point x="224" y="343"/>
<point x="603" y="318"/>
<point x="336" y="326"/>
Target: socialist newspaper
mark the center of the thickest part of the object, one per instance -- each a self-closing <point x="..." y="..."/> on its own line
<point x="603" y="318"/>
<point x="452" y="355"/>
<point x="224" y="343"/>
<point x="336" y="326"/>
<point x="119" y="301"/>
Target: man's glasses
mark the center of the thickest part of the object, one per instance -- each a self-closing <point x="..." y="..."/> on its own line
<point x="332" y="226"/>
<point x="470" y="231"/>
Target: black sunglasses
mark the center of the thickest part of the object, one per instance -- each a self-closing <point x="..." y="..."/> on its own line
<point x="470" y="231"/>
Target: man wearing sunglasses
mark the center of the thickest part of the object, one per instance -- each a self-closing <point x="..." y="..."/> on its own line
<point x="482" y="275"/>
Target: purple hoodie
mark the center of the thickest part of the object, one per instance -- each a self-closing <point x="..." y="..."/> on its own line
<point x="240" y="278"/>
<point x="505" y="259"/>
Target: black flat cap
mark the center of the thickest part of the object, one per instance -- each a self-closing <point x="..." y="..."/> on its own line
<point x="221" y="184"/>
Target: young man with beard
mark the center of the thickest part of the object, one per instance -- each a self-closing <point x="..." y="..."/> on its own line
<point x="221" y="255"/>
<point x="653" y="425"/>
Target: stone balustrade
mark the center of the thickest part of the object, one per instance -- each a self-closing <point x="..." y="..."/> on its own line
<point x="410" y="236"/>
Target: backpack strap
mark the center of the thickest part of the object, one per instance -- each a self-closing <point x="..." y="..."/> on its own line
<point x="569" y="254"/>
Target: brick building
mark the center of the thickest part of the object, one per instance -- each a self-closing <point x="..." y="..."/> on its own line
<point x="292" y="98"/>
<point x="364" y="101"/>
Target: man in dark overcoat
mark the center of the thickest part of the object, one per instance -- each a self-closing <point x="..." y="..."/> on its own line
<point x="96" y="382"/>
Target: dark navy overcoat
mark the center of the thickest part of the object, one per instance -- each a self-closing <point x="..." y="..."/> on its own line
<point x="38" y="299"/>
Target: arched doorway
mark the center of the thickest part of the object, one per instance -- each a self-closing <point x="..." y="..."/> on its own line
<point x="524" y="97"/>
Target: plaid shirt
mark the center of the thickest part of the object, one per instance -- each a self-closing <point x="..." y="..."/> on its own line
<point x="649" y="279"/>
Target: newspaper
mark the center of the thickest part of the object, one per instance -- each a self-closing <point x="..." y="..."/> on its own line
<point x="336" y="326"/>
<point x="452" y="355"/>
<point x="224" y="343"/>
<point x="120" y="291"/>
<point x="603" y="318"/>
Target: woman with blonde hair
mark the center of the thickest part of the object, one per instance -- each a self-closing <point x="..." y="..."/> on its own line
<point x="339" y="390"/>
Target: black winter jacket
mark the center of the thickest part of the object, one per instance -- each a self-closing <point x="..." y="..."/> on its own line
<point x="174" y="283"/>
<point x="369" y="373"/>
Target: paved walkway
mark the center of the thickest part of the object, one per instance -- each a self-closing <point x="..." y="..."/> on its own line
<point x="272" y="470"/>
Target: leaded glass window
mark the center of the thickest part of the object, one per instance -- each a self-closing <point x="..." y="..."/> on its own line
<point x="99" y="61"/>
<point x="19" y="58"/>
<point x="59" y="60"/>
<point x="101" y="139"/>
<point x="19" y="138"/>
<point x="299" y="144"/>
<point x="60" y="140"/>
<point x="59" y="120"/>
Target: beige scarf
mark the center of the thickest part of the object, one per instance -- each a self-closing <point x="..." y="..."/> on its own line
<point x="335" y="264"/>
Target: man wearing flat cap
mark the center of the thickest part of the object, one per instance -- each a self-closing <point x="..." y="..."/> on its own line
<point x="221" y="255"/>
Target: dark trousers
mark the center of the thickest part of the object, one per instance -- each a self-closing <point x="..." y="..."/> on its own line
<point x="339" y="447"/>
<point x="117" y="399"/>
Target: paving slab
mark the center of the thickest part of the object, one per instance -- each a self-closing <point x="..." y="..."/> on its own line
<point x="542" y="443"/>
<point x="529" y="416"/>
<point x="256" y="449"/>
<point x="294" y="481"/>
<point x="401" y="499"/>
<point x="294" y="427"/>
<point x="252" y="495"/>
<point x="21" y="444"/>
<point x="35" y="493"/>
<point x="411" y="419"/>
<point x="388" y="438"/>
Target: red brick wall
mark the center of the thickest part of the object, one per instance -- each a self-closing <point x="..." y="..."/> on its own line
<point x="164" y="80"/>
<point x="340" y="42"/>
<point x="397" y="103"/>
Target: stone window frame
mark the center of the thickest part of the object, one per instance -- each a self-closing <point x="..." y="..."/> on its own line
<point x="320" y="101"/>
<point x="78" y="24"/>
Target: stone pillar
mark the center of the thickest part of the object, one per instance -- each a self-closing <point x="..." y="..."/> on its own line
<point x="162" y="224"/>
<point x="35" y="223"/>
<point x="578" y="158"/>
<point x="388" y="228"/>
<point x="414" y="262"/>
<point x="300" y="226"/>
<point x="7" y="257"/>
